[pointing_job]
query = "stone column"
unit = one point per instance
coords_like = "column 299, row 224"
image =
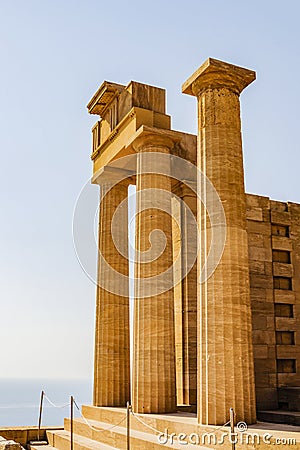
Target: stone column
column 112, row 347
column 190, row 299
column 154, row 348
column 185, row 296
column 225, row 357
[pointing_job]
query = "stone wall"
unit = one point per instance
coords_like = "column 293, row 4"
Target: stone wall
column 274, row 263
column 23, row 435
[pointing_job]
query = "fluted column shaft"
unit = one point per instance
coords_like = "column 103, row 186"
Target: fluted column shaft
column 154, row 348
column 190, row 301
column 225, row 351
column 185, row 293
column 225, row 358
column 112, row 345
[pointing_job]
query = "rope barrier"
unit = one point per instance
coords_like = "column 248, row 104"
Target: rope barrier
column 99, row 430
column 122, row 420
column 169, row 435
column 146, row 424
column 222, row 426
column 96, row 428
column 53, row 404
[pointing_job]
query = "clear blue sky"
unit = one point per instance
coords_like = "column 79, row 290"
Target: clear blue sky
column 54, row 55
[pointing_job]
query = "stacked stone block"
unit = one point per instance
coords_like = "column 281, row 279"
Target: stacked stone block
column 273, row 237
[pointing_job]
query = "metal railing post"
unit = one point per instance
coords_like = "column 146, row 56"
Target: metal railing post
column 40, row 413
column 71, row 417
column 128, row 409
column 231, row 413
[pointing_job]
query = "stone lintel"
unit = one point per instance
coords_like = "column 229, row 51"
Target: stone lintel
column 103, row 97
column 125, row 129
column 123, row 168
column 218, row 74
column 111, row 174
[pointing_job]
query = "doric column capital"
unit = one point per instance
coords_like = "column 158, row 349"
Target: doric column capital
column 215, row 74
column 152, row 142
column 148, row 139
column 188, row 188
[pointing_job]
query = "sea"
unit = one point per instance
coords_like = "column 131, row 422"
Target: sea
column 20, row 400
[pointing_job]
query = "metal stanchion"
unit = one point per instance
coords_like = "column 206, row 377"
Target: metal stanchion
column 40, row 414
column 231, row 412
column 128, row 409
column 71, row 417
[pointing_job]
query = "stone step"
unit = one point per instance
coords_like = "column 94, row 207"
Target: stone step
column 116, row 436
column 178, row 423
column 61, row 440
column 40, row 447
column 37, row 443
column 175, row 423
column 112, row 433
column 286, row 417
column 103, row 414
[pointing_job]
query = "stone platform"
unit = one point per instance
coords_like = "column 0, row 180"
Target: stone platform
column 279, row 416
column 107, row 430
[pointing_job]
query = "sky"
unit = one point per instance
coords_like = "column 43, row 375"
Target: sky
column 54, row 56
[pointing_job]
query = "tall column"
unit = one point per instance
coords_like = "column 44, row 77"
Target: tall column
column 190, row 298
column 185, row 296
column 154, row 348
column 225, row 357
column 112, row 347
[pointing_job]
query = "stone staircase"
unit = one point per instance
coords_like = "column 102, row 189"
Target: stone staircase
column 107, row 430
